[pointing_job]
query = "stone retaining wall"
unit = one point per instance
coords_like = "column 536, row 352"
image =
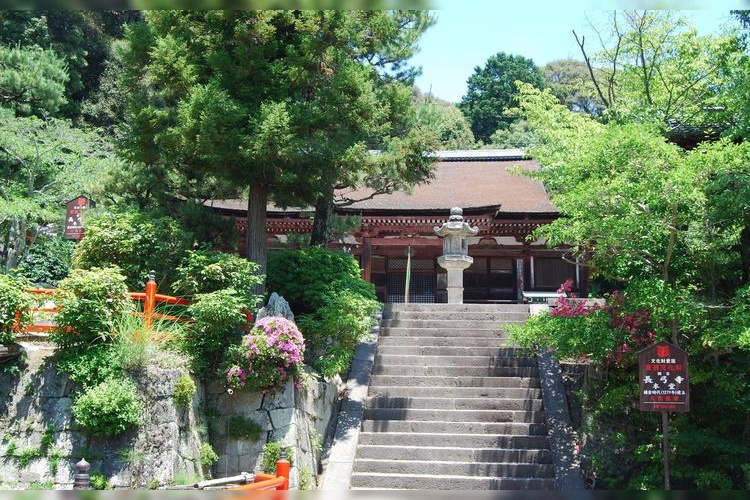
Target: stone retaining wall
column 165, row 448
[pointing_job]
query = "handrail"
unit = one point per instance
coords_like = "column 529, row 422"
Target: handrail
column 149, row 298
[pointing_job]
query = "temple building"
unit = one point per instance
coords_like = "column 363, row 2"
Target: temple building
column 505, row 205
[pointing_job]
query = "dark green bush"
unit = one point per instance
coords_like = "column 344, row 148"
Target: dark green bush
column 92, row 302
column 136, row 242
column 48, row 261
column 307, row 278
column 13, row 299
column 206, row 271
column 108, row 409
column 219, row 322
column 333, row 304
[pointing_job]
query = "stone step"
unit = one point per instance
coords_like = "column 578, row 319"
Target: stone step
column 379, row 481
column 438, row 403
column 462, row 350
column 468, row 434
column 501, row 469
column 484, row 361
column 457, row 454
column 445, row 308
column 446, row 324
column 454, row 392
column 462, row 316
column 456, row 440
column 377, row 380
column 535, row 416
column 442, row 332
column 432, row 340
column 455, row 371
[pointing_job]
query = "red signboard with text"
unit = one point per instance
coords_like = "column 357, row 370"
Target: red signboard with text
column 74, row 210
column 663, row 370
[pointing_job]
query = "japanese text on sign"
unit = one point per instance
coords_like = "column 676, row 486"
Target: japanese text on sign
column 664, row 378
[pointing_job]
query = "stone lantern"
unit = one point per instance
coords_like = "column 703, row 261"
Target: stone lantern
column 455, row 256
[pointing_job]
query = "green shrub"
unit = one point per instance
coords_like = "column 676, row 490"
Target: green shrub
column 99, row 481
column 108, row 409
column 207, row 456
column 219, row 322
column 136, row 242
column 334, row 330
column 243, row 428
column 307, row 278
column 48, row 261
column 272, row 454
column 206, row 271
column 269, row 356
column 91, row 366
column 92, row 302
column 13, row 299
column 184, row 389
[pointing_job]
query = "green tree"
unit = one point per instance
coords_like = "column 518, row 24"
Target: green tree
column 32, row 81
column 570, row 81
column 492, row 90
column 285, row 104
column 452, row 127
column 655, row 68
column 81, row 38
column 43, row 163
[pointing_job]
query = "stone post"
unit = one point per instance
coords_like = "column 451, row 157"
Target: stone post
column 455, row 256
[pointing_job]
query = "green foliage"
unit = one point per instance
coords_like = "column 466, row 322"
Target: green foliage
column 587, row 337
column 109, row 408
column 14, row 299
column 184, row 389
column 308, row 123
column 93, row 301
column 48, row 261
column 43, row 164
column 272, row 454
column 519, row 134
column 219, row 321
column 90, row 366
column 32, row 81
column 28, row 455
column 570, row 81
column 306, row 278
column 333, row 330
column 206, row 271
column 99, row 481
column 137, row 242
column 41, row 485
column 451, row 126
column 207, row 456
column 269, row 356
column 243, row 428
column 492, row 90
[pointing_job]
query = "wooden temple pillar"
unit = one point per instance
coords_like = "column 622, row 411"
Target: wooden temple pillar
column 366, row 258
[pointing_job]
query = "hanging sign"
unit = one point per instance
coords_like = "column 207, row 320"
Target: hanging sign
column 663, row 369
column 74, row 211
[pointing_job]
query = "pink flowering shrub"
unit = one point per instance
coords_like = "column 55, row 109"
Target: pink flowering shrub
column 575, row 330
column 270, row 355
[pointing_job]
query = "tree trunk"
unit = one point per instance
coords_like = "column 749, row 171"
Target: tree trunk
column 321, row 232
column 257, row 239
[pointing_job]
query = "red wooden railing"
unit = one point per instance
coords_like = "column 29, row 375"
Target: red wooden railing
column 149, row 298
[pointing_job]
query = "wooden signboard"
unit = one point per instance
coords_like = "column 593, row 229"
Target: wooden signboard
column 663, row 369
column 74, row 210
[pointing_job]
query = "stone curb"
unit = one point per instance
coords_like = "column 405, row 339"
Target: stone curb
column 567, row 472
column 340, row 463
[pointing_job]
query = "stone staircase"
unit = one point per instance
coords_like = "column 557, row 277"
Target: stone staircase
column 450, row 406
